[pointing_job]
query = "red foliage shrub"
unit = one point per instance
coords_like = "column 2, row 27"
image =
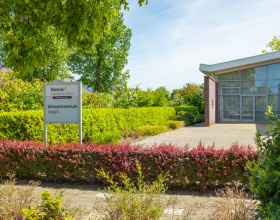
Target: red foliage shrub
column 201, row 167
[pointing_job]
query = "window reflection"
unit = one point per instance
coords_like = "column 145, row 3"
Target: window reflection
column 273, row 71
column 258, row 73
column 260, row 86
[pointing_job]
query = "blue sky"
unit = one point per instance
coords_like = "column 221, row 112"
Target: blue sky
column 172, row 37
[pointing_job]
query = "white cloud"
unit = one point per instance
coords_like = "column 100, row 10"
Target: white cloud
column 171, row 38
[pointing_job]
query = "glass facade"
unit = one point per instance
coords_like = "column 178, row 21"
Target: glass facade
column 244, row 95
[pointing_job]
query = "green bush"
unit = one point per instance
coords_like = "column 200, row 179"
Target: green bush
column 98, row 100
column 151, row 129
column 128, row 98
column 185, row 108
column 191, row 94
column 16, row 94
column 135, row 199
column 51, row 209
column 173, row 124
column 99, row 125
column 265, row 173
column 188, row 114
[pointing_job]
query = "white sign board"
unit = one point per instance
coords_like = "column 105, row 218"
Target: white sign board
column 63, row 104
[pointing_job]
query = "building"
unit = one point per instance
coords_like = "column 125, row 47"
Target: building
column 240, row 90
column 85, row 88
column 3, row 68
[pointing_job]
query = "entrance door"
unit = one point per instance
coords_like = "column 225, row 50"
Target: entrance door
column 253, row 108
column 247, row 114
column 260, row 107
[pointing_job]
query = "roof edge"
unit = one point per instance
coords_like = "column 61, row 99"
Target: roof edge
column 234, row 65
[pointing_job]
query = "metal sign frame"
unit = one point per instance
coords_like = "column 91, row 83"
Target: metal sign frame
column 58, row 97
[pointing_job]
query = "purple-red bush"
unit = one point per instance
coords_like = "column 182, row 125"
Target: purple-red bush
column 201, row 167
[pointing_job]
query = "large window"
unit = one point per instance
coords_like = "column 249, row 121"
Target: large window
column 244, row 95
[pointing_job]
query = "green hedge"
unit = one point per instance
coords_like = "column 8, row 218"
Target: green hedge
column 99, row 125
column 191, row 109
column 152, row 129
column 188, row 114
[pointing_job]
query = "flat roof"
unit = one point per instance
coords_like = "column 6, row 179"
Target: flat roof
column 244, row 63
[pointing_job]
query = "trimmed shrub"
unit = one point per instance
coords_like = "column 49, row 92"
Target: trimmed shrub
column 201, row 167
column 185, row 108
column 99, row 125
column 173, row 124
column 152, row 130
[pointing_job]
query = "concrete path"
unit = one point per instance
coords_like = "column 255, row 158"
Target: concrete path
column 221, row 135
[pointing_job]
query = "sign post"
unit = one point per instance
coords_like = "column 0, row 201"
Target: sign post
column 63, row 105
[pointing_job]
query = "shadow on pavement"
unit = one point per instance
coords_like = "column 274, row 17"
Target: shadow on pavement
column 262, row 128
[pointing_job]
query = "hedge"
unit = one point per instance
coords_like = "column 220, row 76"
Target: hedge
column 200, row 168
column 99, row 125
column 188, row 114
column 190, row 109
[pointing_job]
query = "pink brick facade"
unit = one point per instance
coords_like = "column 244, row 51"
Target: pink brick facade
column 210, row 101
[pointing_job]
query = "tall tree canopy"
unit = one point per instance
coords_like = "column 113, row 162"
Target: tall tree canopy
column 101, row 66
column 273, row 45
column 26, row 26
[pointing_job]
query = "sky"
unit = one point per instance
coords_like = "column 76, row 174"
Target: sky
column 170, row 38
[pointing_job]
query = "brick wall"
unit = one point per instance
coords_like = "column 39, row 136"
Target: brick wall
column 210, row 101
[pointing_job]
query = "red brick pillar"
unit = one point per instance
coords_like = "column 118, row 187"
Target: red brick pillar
column 210, row 101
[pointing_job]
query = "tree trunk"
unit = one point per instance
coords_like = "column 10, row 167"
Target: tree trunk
column 98, row 86
column 98, row 77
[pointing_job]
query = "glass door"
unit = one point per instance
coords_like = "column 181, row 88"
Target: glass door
column 247, row 114
column 253, row 108
column 260, row 108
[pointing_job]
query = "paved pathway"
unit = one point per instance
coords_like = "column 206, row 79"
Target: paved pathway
column 221, row 135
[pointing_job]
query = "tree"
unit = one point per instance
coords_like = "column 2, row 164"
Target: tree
column 273, row 45
column 190, row 94
column 25, row 26
column 53, row 62
column 101, row 66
